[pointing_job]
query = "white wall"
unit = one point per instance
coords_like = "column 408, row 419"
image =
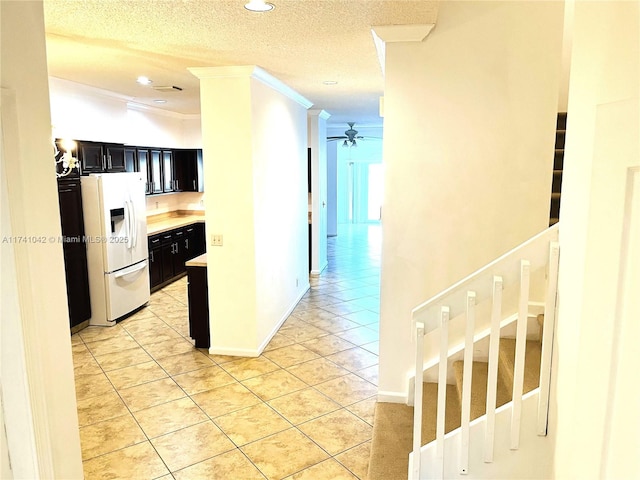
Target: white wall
column 594, row 414
column 469, row 133
column 279, row 141
column 37, row 371
column 255, row 150
column 171, row 202
column 81, row 112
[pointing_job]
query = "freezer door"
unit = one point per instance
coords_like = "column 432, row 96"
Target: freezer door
column 120, row 193
column 138, row 205
column 127, row 289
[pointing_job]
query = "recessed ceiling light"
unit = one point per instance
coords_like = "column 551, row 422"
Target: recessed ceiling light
column 330, row 82
column 142, row 80
column 159, row 100
column 259, row 6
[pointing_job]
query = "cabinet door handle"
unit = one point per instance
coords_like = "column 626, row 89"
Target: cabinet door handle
column 104, row 162
column 176, row 187
column 186, row 244
column 109, row 166
column 194, row 184
column 151, row 255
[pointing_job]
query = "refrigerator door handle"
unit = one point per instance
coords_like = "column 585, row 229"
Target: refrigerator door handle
column 132, row 269
column 130, row 225
column 134, row 224
column 127, row 222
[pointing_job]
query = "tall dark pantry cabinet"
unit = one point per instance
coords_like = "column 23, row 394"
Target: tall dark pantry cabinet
column 74, row 249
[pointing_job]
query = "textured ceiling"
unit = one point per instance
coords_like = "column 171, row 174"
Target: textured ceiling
column 109, row 43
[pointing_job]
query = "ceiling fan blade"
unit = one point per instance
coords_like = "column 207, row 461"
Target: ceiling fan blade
column 337, row 138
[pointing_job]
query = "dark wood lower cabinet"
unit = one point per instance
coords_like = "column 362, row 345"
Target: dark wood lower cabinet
column 74, row 250
column 155, row 261
column 198, row 306
column 169, row 251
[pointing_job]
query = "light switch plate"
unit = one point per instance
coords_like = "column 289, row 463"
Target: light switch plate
column 216, row 240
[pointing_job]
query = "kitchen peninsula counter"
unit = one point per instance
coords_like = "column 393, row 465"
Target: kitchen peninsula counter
column 198, row 301
column 200, row 261
column 169, row 221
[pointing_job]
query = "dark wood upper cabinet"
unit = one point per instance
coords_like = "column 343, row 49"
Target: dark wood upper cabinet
column 155, row 171
column 187, row 170
column 101, row 158
column 168, row 180
column 114, row 158
column 130, row 160
column 143, row 164
column 166, row 170
column 91, row 156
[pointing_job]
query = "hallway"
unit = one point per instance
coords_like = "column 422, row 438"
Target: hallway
column 152, row 406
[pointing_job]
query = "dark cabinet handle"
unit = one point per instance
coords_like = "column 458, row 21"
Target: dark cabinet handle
column 151, row 256
column 186, row 244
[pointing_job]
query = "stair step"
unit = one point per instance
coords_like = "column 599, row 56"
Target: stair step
column 479, row 377
column 558, row 159
column 393, row 431
column 507, row 357
column 540, row 320
column 561, row 122
column 556, row 183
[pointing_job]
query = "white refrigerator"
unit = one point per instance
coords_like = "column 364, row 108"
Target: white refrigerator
column 115, row 222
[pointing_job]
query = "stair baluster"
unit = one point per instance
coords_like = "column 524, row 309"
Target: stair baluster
column 414, row 467
column 442, row 388
column 547, row 337
column 521, row 343
column 466, row 385
column 492, row 375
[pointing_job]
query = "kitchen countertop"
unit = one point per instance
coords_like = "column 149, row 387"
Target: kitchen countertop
column 200, row 261
column 168, row 221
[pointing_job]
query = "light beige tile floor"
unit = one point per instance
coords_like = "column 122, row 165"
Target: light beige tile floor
column 152, row 406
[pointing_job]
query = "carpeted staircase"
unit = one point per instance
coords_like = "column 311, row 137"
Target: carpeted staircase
column 558, row 162
column 393, row 422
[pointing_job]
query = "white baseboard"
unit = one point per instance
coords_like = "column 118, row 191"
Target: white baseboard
column 392, row 397
column 245, row 352
column 317, row 273
column 234, row 352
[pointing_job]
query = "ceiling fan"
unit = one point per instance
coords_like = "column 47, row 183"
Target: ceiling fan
column 350, row 136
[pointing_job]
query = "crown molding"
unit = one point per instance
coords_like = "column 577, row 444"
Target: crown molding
column 383, row 34
column 319, row 113
column 251, row 71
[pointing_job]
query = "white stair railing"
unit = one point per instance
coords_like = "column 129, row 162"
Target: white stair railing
column 511, row 269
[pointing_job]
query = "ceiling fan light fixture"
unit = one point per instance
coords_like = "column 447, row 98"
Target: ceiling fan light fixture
column 345, row 144
column 353, row 143
column 259, row 6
